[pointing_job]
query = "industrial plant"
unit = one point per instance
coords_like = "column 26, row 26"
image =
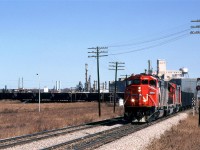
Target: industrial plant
column 89, row 89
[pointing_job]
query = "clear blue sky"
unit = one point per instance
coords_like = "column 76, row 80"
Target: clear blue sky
column 52, row 37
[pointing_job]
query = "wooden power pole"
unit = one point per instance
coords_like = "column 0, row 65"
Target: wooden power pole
column 196, row 27
column 98, row 53
column 115, row 67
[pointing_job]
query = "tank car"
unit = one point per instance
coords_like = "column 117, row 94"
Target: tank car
column 147, row 98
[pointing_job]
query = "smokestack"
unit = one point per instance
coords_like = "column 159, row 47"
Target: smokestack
column 86, row 77
column 59, row 86
column 19, row 83
column 56, row 85
column 22, row 83
column 89, row 83
column 150, row 70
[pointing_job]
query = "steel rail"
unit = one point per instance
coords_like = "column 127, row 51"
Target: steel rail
column 96, row 140
column 10, row 142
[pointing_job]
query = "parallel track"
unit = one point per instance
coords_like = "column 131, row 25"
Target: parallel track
column 96, row 140
column 5, row 143
column 91, row 141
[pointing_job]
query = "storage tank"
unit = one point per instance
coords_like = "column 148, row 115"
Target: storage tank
column 184, row 71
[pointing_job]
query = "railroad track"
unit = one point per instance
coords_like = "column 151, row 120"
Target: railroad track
column 90, row 141
column 96, row 140
column 6, row 143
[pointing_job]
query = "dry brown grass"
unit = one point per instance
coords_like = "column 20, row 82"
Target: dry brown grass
column 18, row 119
column 185, row 136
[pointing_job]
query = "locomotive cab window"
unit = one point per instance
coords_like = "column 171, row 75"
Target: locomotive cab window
column 134, row 81
column 145, row 82
column 128, row 82
column 152, row 83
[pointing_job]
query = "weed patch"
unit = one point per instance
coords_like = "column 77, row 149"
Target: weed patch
column 19, row 118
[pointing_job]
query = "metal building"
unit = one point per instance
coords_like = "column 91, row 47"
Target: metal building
column 188, row 89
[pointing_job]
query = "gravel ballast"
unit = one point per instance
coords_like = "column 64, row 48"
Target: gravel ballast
column 36, row 145
column 136, row 141
column 140, row 139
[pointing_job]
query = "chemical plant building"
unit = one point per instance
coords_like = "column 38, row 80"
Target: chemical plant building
column 180, row 77
column 165, row 74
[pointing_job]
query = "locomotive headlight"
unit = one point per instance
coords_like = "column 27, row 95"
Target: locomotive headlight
column 132, row 100
column 139, row 89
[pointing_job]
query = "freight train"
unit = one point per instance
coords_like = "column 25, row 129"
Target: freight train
column 147, row 98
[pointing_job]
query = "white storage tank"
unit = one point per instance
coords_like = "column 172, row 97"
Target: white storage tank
column 46, row 89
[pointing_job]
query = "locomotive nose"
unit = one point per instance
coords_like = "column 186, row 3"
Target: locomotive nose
column 141, row 90
column 136, row 90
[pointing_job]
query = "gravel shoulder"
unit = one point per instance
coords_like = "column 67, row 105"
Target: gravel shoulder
column 140, row 139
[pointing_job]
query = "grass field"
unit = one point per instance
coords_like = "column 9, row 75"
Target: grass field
column 18, row 118
column 185, row 136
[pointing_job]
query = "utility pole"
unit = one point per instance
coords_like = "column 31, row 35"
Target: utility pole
column 196, row 32
column 98, row 53
column 198, row 98
column 38, row 91
column 115, row 67
column 195, row 27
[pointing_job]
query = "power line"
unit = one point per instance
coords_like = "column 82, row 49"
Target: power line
column 98, row 54
column 198, row 20
column 161, row 33
column 149, row 41
column 152, row 46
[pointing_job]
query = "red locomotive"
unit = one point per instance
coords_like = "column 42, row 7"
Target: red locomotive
column 147, row 97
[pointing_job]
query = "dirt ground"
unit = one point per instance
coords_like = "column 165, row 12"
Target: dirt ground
column 185, row 136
